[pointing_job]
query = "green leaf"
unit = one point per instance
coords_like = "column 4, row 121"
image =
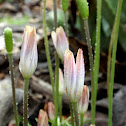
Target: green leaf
column 60, row 18
column 108, row 10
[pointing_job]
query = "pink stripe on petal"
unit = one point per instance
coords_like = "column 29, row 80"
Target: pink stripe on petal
column 66, row 68
column 61, row 82
column 80, row 72
column 69, row 72
column 51, row 111
column 60, row 42
column 62, row 39
column 42, row 118
column 29, row 55
column 84, row 100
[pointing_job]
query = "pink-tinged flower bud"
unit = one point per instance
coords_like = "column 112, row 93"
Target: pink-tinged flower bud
column 61, row 82
column 42, row 118
column 83, row 101
column 80, row 70
column 60, row 42
column 29, row 54
column 51, row 111
column 12, row 123
column 74, row 74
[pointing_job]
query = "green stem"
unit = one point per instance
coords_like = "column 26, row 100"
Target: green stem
column 60, row 107
column 65, row 23
column 96, row 60
column 10, row 57
column 25, row 105
column 75, row 113
column 71, row 112
column 57, row 87
column 57, row 64
column 81, row 119
column 55, row 13
column 47, row 50
column 91, row 67
column 109, row 59
column 117, row 22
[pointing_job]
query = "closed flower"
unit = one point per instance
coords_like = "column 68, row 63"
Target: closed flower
column 29, row 55
column 51, row 111
column 42, row 118
column 8, row 39
column 83, row 101
column 60, row 42
column 74, row 75
column 61, row 82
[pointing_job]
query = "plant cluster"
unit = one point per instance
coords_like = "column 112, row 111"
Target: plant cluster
column 72, row 82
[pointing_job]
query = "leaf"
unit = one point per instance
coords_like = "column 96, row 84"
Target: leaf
column 108, row 11
column 60, row 18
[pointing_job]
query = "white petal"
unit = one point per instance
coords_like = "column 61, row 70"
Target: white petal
column 53, row 35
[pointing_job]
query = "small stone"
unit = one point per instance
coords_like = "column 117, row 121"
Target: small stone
column 119, row 108
column 6, row 104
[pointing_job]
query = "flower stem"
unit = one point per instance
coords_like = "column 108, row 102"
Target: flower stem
column 47, row 50
column 75, row 113
column 10, row 57
column 25, row 105
column 71, row 112
column 117, row 22
column 91, row 67
column 55, row 13
column 65, row 23
column 60, row 107
column 81, row 119
column 57, row 87
column 96, row 60
column 57, row 65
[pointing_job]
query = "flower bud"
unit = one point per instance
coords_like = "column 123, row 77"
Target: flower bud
column 80, row 70
column 8, row 39
column 12, row 123
column 51, row 111
column 29, row 54
column 60, row 42
column 65, row 4
column 83, row 101
column 61, row 82
column 83, row 8
column 42, row 118
column 74, row 75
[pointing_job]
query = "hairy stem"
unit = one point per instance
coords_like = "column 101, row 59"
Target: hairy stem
column 10, row 57
column 60, row 107
column 81, row 119
column 91, row 67
column 75, row 113
column 72, row 114
column 25, row 105
column 96, row 60
column 57, row 64
column 47, row 50
column 57, row 86
column 55, row 13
